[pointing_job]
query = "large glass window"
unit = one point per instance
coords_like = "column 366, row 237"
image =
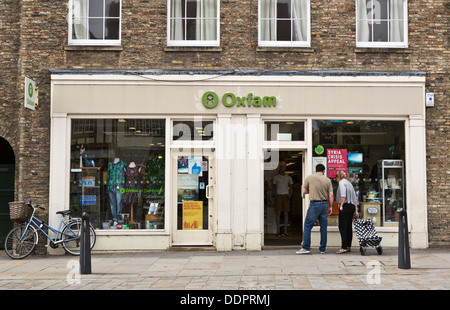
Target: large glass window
column 284, row 23
column 118, row 172
column 372, row 154
column 381, row 23
column 94, row 22
column 193, row 22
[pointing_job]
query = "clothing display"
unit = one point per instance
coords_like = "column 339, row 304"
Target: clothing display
column 115, row 182
column 132, row 185
column 116, row 174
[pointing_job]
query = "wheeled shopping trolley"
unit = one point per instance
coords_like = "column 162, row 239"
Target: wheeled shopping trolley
column 367, row 236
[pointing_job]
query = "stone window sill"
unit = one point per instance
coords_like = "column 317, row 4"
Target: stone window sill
column 92, row 48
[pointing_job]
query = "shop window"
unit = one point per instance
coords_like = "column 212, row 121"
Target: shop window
column 94, row 22
column 117, row 172
column 284, row 23
column 193, row 130
column 372, row 154
column 284, row 131
column 193, row 23
column 381, row 23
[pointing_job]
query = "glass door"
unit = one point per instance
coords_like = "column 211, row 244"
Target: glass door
column 193, row 220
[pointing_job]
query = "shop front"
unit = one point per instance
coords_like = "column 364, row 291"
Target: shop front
column 162, row 159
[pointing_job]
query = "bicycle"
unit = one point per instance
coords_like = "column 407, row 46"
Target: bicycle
column 22, row 240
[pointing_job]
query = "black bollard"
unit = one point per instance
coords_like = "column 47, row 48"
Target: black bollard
column 85, row 246
column 404, row 261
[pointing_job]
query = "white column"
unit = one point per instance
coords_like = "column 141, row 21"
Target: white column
column 59, row 170
column 238, row 133
column 416, row 182
column 223, row 182
column 255, row 166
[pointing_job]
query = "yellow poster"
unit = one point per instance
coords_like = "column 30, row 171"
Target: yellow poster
column 192, row 215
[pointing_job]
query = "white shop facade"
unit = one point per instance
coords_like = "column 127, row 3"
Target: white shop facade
column 162, row 159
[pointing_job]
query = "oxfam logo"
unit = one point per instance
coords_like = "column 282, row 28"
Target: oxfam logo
column 210, row 100
column 30, row 90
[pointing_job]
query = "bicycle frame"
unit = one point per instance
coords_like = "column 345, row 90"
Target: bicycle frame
column 38, row 224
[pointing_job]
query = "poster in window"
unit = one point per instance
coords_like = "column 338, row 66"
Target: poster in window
column 192, row 215
column 336, row 160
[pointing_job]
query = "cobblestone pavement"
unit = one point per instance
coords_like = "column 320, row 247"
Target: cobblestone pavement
column 276, row 269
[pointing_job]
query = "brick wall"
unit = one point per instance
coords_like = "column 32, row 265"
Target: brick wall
column 33, row 38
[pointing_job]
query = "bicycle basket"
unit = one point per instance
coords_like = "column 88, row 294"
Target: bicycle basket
column 19, row 212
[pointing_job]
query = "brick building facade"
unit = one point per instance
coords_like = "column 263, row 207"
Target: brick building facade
column 34, row 39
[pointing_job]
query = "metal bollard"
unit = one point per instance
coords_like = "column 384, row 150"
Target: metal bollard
column 85, row 247
column 404, row 261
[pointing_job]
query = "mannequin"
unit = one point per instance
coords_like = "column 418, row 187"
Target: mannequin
column 282, row 189
column 114, row 185
column 132, row 187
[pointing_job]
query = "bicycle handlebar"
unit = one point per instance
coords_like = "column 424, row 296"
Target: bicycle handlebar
column 34, row 207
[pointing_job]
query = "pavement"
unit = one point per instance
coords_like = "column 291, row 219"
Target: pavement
column 193, row 270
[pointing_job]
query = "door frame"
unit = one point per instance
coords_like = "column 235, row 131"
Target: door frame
column 193, row 237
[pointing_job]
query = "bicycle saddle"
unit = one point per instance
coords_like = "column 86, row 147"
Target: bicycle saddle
column 65, row 212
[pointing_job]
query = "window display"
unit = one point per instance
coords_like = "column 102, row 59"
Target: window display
column 118, row 172
column 360, row 148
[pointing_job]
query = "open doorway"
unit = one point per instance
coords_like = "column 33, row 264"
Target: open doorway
column 283, row 223
column 7, row 178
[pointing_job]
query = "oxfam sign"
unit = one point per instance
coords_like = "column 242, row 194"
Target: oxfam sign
column 210, row 100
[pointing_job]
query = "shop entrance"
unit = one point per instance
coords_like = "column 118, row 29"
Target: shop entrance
column 283, row 223
column 7, row 176
column 193, row 211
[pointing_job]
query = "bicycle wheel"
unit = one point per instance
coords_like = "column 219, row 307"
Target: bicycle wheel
column 20, row 243
column 71, row 237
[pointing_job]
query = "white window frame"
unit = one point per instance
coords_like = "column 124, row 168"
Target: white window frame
column 193, row 42
column 403, row 44
column 264, row 43
column 96, row 42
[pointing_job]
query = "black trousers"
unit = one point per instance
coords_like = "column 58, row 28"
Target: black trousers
column 345, row 224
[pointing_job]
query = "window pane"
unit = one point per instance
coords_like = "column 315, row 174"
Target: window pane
column 283, row 8
column 112, row 8
column 267, row 30
column 283, row 30
column 79, row 28
column 396, row 31
column 300, row 29
column 112, row 29
column 285, row 131
column 210, row 29
column 191, row 29
column 117, row 172
column 193, row 130
column 363, row 31
column 96, row 28
column 380, row 31
column 191, row 8
column 96, row 8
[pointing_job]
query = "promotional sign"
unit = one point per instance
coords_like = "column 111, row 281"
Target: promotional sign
column 336, row 160
column 30, row 87
column 192, row 215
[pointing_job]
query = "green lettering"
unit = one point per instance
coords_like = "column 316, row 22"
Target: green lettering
column 241, row 101
column 225, row 100
column 257, row 101
column 249, row 99
column 270, row 101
